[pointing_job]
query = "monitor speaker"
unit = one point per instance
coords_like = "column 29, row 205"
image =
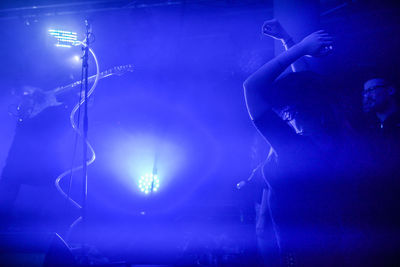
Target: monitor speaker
column 34, row 249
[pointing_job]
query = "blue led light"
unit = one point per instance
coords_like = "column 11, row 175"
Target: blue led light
column 149, row 183
column 64, row 38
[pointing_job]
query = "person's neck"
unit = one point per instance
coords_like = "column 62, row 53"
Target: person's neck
column 382, row 115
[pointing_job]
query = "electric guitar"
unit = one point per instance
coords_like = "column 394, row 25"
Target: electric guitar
column 34, row 100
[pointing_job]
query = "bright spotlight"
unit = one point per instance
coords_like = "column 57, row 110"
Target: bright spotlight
column 77, row 58
column 64, row 38
column 149, row 183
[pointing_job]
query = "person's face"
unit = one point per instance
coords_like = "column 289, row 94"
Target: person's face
column 376, row 95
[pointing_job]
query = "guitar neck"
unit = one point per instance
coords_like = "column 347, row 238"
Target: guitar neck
column 66, row 88
column 119, row 70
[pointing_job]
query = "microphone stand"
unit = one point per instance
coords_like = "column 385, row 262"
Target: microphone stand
column 154, row 173
column 85, row 66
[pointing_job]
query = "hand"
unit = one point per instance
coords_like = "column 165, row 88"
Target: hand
column 275, row 30
column 317, row 44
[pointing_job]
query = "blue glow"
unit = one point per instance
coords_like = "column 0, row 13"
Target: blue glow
column 131, row 155
column 149, row 183
column 64, row 38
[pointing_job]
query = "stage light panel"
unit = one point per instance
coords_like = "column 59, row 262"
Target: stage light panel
column 64, row 38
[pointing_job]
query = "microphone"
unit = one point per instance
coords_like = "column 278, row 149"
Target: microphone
column 243, row 183
column 87, row 24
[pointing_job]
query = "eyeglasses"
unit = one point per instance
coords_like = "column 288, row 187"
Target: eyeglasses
column 374, row 88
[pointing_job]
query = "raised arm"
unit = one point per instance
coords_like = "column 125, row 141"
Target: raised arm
column 274, row 29
column 258, row 86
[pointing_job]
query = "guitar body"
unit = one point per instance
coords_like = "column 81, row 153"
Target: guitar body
column 37, row 102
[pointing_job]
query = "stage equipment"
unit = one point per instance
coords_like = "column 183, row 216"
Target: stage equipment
column 83, row 134
column 34, row 249
column 119, row 70
column 77, row 109
column 149, row 183
column 64, row 38
column 249, row 180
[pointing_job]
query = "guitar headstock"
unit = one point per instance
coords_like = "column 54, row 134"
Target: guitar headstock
column 120, row 70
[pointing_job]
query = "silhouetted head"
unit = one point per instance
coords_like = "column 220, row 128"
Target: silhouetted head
column 378, row 95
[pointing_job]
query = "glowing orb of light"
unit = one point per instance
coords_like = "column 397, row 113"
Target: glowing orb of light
column 76, row 58
column 149, row 183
